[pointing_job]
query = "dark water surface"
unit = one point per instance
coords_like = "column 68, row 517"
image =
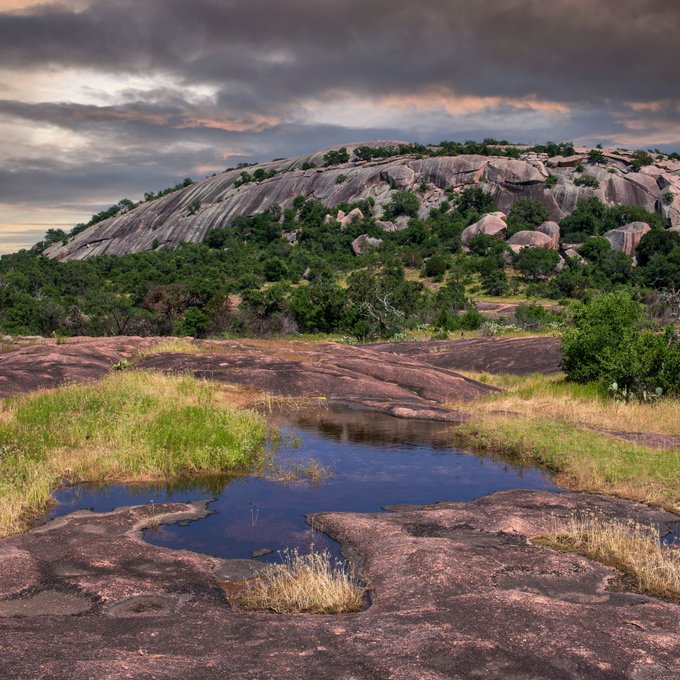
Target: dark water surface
column 374, row 460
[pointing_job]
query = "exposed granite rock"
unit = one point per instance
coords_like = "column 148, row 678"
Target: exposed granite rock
column 189, row 214
column 531, row 239
column 364, row 243
column 458, row 591
column 489, row 225
column 552, row 229
column 396, row 385
column 627, row 238
column 518, row 356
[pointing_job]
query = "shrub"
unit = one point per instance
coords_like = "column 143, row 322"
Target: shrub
column 402, row 203
column 471, row 320
column 641, row 159
column 536, row 263
column 551, row 181
column 476, row 199
column 596, row 156
column 534, row 316
column 610, row 342
column 587, row 181
column 526, row 214
column 436, row 266
column 336, row 157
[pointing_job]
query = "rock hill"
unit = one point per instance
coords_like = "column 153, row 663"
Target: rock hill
column 190, row 213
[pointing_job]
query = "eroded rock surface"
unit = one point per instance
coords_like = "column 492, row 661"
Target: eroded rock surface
column 519, row 356
column 367, row 377
column 189, row 214
column 393, row 384
column 458, row 591
column 48, row 364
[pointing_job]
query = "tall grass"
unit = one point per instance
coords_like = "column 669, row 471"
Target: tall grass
column 313, row 584
column 583, row 460
column 632, row 548
column 131, row 426
column 552, row 397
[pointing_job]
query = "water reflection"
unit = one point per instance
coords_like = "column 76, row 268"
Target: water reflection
column 374, row 460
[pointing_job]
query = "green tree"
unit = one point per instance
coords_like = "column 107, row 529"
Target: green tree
column 536, row 263
column 525, row 215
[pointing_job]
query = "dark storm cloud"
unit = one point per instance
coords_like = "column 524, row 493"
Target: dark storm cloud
column 266, row 53
column 229, row 80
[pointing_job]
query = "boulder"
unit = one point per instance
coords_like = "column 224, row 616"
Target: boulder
column 490, row 225
column 551, row 229
column 350, row 218
column 364, row 243
column 627, row 238
column 572, row 254
column 387, row 226
column 500, row 215
column 566, row 161
column 510, row 171
column 400, row 176
column 531, row 239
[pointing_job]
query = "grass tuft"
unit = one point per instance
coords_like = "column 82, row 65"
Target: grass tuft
column 133, row 426
column 632, row 548
column 304, row 584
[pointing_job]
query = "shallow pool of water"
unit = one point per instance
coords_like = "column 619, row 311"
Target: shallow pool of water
column 373, row 460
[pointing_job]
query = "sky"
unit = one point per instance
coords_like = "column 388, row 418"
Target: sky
column 105, row 99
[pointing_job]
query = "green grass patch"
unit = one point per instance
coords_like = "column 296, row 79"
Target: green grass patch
column 583, row 460
column 131, row 426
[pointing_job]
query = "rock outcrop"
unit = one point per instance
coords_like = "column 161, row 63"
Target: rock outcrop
column 190, row 213
column 627, row 238
column 458, row 590
column 364, row 243
column 551, row 229
column 531, row 239
column 490, row 225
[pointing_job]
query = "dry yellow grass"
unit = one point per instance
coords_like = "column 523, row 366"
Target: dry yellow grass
column 551, row 398
column 632, row 548
column 304, row 584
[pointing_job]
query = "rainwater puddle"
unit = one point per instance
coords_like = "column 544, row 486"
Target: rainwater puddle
column 374, row 461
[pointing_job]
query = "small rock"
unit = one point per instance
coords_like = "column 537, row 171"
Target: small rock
column 261, row 552
column 363, row 243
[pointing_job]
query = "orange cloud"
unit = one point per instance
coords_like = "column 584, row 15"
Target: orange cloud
column 460, row 105
column 653, row 107
column 249, row 123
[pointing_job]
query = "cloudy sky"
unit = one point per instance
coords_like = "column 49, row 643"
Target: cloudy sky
column 105, row 99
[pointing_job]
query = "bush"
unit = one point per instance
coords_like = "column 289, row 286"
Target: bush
column 402, row 203
column 471, row 320
column 525, row 215
column 534, row 317
column 587, row 181
column 336, row 157
column 610, row 342
column 436, row 266
column 536, row 263
column 476, row 199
